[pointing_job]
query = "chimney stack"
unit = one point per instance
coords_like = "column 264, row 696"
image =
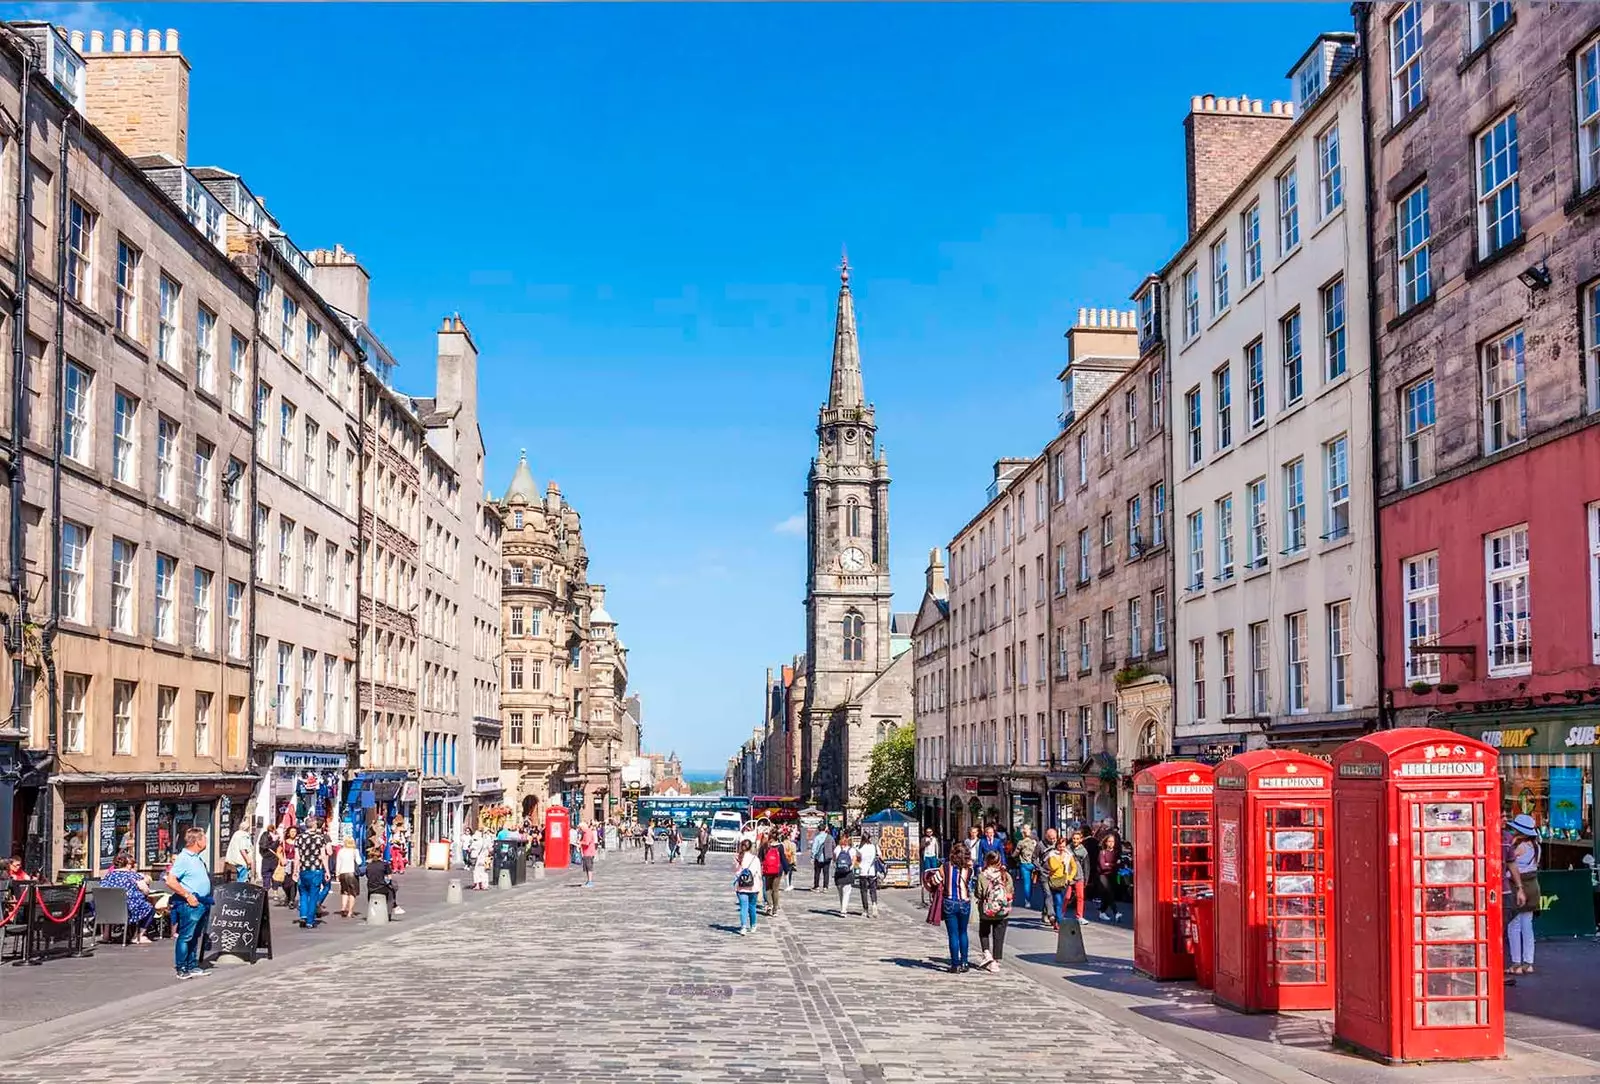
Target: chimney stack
column 138, row 93
column 1224, row 139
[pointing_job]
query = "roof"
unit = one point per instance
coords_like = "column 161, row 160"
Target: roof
column 522, row 484
column 900, row 623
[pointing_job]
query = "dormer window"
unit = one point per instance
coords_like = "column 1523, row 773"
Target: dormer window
column 66, row 71
column 1149, row 327
column 1309, row 80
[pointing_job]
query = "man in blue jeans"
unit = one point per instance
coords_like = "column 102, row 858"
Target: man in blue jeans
column 190, row 882
column 314, row 846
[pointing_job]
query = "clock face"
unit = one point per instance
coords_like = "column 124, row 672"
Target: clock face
column 852, row 560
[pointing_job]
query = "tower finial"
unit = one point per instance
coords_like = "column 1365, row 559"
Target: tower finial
column 844, row 390
column 844, row 266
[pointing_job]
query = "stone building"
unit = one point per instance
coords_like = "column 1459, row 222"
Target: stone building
column 1268, row 341
column 856, row 692
column 1485, row 141
column 930, row 688
column 601, row 705
column 1111, row 619
column 129, row 606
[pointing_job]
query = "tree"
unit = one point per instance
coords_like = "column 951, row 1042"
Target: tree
column 892, row 775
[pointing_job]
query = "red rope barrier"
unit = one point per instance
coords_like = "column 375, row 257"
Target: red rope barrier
column 22, row 897
column 69, row 916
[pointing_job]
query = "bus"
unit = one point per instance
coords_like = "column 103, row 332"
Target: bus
column 689, row 812
column 777, row 810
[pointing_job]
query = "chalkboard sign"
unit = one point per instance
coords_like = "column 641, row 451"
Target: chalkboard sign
column 241, row 923
column 153, row 854
column 108, row 834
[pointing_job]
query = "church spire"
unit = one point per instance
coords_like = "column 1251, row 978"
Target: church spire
column 845, row 389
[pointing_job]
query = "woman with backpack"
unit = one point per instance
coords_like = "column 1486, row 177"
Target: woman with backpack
column 994, row 909
column 953, row 881
column 844, row 867
column 771, row 871
column 867, row 873
column 746, row 878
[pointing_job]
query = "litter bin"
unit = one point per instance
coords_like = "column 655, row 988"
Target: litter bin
column 510, row 854
column 1202, row 937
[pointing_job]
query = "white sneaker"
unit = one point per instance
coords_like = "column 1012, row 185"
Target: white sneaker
column 398, row 911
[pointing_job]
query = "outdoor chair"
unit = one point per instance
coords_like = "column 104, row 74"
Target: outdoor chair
column 111, row 909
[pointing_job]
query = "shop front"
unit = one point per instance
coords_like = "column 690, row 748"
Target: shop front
column 1548, row 763
column 1026, row 806
column 443, row 806
column 376, row 802
column 302, row 783
column 487, row 793
column 146, row 817
column 1212, row 749
column 1067, row 800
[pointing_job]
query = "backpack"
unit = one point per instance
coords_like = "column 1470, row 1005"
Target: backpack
column 772, row 861
column 996, row 902
column 746, row 879
column 841, row 860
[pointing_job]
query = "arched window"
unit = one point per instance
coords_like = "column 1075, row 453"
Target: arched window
column 852, row 518
column 855, row 637
column 883, row 731
column 1150, row 742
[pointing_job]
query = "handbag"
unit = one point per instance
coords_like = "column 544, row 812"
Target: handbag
column 277, row 875
column 936, row 909
column 879, row 869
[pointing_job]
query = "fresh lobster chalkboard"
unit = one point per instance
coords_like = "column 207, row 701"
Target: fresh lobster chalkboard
column 240, row 923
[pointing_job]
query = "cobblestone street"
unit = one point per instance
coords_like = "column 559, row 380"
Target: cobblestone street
column 642, row 978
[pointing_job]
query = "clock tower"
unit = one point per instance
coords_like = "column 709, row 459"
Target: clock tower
column 847, row 574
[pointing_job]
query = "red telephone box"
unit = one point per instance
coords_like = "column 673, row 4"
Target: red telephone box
column 1416, row 835
column 1171, row 860
column 557, row 837
column 1274, row 811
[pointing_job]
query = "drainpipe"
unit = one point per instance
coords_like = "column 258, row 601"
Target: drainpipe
column 53, row 626
column 1362, row 12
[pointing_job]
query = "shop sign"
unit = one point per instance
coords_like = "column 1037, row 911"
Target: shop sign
column 172, row 789
column 490, row 783
column 294, row 758
column 1580, row 735
column 988, row 787
column 969, row 785
column 408, row 791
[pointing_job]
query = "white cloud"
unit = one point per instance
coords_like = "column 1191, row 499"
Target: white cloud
column 83, row 17
column 795, row 524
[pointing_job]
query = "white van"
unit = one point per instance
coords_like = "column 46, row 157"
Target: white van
column 725, row 825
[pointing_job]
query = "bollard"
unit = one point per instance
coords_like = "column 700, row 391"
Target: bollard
column 538, row 872
column 598, row 855
column 505, row 879
column 453, row 893
column 377, row 910
column 1069, row 942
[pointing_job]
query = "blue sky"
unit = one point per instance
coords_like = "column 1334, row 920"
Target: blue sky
column 638, row 210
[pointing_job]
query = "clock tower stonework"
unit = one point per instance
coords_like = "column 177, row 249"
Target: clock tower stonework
column 848, row 597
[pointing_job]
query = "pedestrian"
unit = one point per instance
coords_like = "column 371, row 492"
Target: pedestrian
column 995, row 892
column 702, row 844
column 1027, row 851
column 746, row 879
column 1057, row 880
column 588, row 846
column 771, row 872
column 974, row 837
column 289, row 851
column 482, row 861
column 379, row 879
column 313, row 871
column 844, row 866
column 674, row 842
column 190, row 882
column 821, row 859
column 990, row 844
column 788, row 859
column 1110, row 845
column 268, row 860
column 930, row 850
column 1522, row 889
column 240, row 862
column 954, row 883
column 346, row 865
column 869, row 867
column 650, row 843
column 1080, row 880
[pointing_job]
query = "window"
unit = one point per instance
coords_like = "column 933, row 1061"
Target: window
column 1293, row 365
column 535, row 622
column 515, row 728
column 1197, row 684
column 202, row 724
column 1336, row 469
column 1230, row 702
column 282, row 708
column 1108, row 541
column 1510, row 631
column 1339, row 655
column 237, row 361
column 855, row 644
column 1594, row 575
column 204, row 457
column 1288, row 212
column 77, row 413
column 205, row 348
column 288, row 344
column 1588, row 82
column 330, row 574
column 285, row 552
column 1158, row 400
column 1421, row 584
column 1333, row 355
column 1505, row 392
column 286, row 437
column 235, row 619
column 1158, row 621
column 124, row 574
column 122, row 717
column 1130, row 410
column 1197, row 551
column 80, row 250
column 167, row 321
column 1259, row 656
column 1499, row 188
column 1083, row 465
column 516, row 621
column 167, row 459
column 126, row 309
column 74, row 572
column 1250, row 230
column 1158, row 514
column 1414, row 227
column 308, row 473
column 125, row 439
column 1255, row 375
column 233, row 491
column 1294, row 506
column 1084, row 661
column 1105, row 434
column 308, row 564
column 1487, row 18
column 514, row 676
column 1135, row 522
column 1256, row 498
column 1191, row 411
column 1330, row 174
column 1191, row 303
column 1083, row 555
column 313, row 344
column 1135, row 627
column 1405, row 60
column 1224, row 514
column 166, row 598
column 1416, row 423
column 1222, row 396
column 330, row 468
column 1219, row 276
column 1108, row 636
column 263, row 401
column 852, row 515
column 166, row 719
column 1297, row 665
column 1108, row 716
column 307, row 694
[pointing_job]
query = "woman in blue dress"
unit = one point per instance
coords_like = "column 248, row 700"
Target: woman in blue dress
column 137, row 888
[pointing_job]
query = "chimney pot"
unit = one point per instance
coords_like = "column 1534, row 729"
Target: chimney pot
column 137, row 44
column 119, row 41
column 172, row 40
column 1194, row 103
column 76, row 37
column 97, row 41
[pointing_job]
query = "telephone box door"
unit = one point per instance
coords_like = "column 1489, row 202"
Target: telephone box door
column 1451, row 873
column 1296, row 958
